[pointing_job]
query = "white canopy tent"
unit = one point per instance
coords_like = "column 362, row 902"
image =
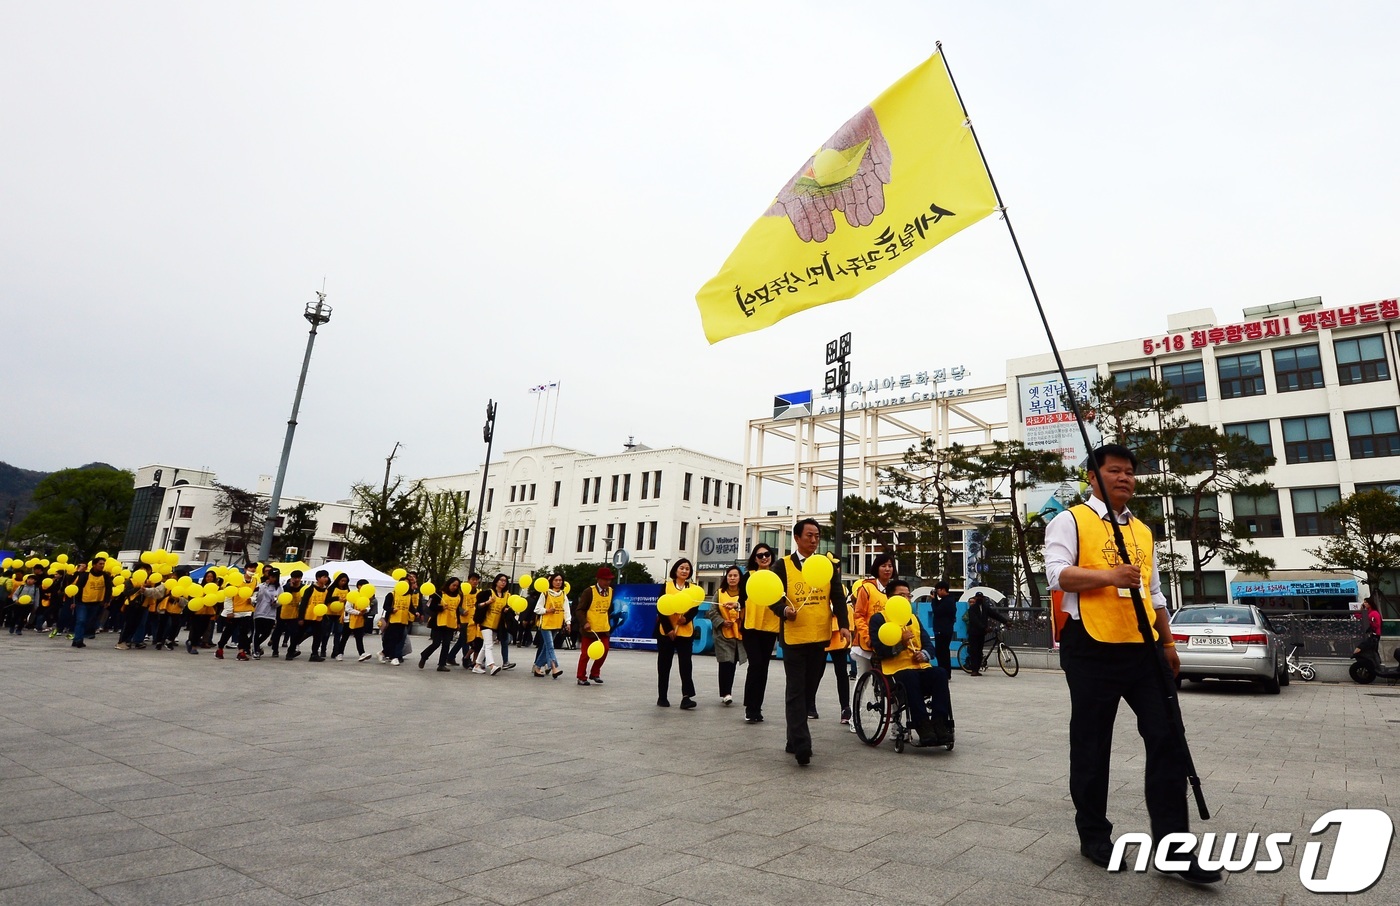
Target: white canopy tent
column 357, row 570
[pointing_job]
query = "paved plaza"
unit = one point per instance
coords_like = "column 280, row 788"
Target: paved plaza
column 150, row 778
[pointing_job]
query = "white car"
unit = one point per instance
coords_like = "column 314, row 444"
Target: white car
column 1229, row 642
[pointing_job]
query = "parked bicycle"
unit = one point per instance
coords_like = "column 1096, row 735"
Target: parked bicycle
column 994, row 646
column 1303, row 668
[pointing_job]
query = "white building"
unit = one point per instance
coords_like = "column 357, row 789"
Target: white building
column 176, row 509
column 1316, row 386
column 549, row 505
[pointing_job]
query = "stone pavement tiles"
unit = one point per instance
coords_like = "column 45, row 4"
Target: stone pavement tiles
column 158, row 778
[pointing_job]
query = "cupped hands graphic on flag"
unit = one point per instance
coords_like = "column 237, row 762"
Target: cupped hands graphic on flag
column 847, row 174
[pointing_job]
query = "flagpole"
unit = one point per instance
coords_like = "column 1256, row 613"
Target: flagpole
column 554, row 421
column 1144, row 626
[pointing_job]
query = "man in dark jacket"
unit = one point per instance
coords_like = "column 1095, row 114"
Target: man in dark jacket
column 979, row 611
column 945, row 615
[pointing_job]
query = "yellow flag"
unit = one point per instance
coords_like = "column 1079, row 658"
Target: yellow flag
column 898, row 178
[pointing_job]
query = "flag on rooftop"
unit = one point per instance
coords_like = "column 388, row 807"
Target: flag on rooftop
column 899, row 177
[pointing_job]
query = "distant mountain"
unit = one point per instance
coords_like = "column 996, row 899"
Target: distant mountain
column 17, row 486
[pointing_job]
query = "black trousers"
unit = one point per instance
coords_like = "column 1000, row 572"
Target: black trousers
column 920, row 683
column 262, row 628
column 442, row 642
column 759, row 647
column 943, row 649
column 975, row 646
column 680, row 647
column 803, row 665
column 727, row 670
column 393, row 638
column 236, row 629
column 283, row 631
column 1099, row 674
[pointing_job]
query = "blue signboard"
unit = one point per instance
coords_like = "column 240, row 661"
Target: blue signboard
column 1296, row 588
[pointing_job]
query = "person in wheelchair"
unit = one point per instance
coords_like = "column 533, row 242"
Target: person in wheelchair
column 908, row 663
column 979, row 610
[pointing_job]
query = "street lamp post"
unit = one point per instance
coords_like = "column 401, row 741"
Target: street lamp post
column 838, row 353
column 487, row 433
column 317, row 313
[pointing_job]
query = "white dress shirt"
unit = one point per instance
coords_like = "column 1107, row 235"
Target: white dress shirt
column 1062, row 549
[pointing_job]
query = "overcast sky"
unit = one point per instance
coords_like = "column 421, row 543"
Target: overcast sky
column 503, row 194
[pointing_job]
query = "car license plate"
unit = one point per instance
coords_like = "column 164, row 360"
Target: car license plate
column 1209, row 641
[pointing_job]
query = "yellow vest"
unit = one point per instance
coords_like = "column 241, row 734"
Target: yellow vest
column 869, row 601
column 174, row 604
column 554, row 607
column 684, row 630
column 317, row 596
column 94, row 589
column 447, row 612
column 762, row 619
column 729, row 606
column 1107, row 615
column 289, row 610
column 905, row 659
column 494, row 606
column 813, row 620
column 243, row 605
column 403, row 608
column 598, row 609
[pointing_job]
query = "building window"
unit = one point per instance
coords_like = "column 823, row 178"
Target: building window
column 525, row 542
column 651, row 545
column 584, row 500
column 705, row 491
column 656, row 483
column 1361, row 360
column 646, row 478
column 550, row 545
column 1389, row 487
column 685, row 528
column 1258, row 517
column 738, row 498
column 1308, row 504
column 598, row 489
column 558, row 486
column 1187, row 380
column 233, row 546
column 731, row 487
column 186, row 512
column 621, row 535
column 512, row 493
column 280, row 521
column 1149, row 510
column 641, row 534
column 1213, row 587
column 532, row 491
column 1308, row 439
column 592, row 537
column 627, row 486
column 339, row 528
column 1207, row 517
column 1298, row 368
column 335, row 550
column 1373, row 433
column 580, row 540
column 1255, row 431
column 181, row 535
column 490, row 498
column 685, row 487
column 1126, row 378
column 1240, row 375
column 615, row 488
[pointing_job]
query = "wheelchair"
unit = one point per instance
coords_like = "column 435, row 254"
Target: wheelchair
column 879, row 706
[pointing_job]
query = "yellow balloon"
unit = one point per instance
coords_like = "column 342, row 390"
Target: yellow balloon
column 101, row 555
column 566, row 588
column 48, row 583
column 401, row 587
column 284, row 598
column 337, row 606
column 898, row 610
column 210, row 588
column 596, row 650
column 541, row 584
column 320, row 610
column 517, row 603
column 63, row 558
column 399, row 573
column 71, row 590
column 368, row 591
column 817, row 571
column 147, row 558
column 25, row 599
column 428, row 588
column 156, row 578
column 764, row 588
column 696, row 593
column 170, row 585
column 890, row 634
column 525, row 581
column 245, row 593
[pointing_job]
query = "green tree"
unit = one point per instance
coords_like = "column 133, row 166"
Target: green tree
column 929, row 480
column 997, row 474
column 243, row 515
column 438, row 550
column 80, row 510
column 581, row 575
column 298, row 528
column 388, row 523
column 1367, row 538
column 912, row 536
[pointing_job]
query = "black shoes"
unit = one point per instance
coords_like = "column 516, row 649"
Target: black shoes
column 444, row 669
column 688, row 704
column 422, row 662
column 1195, row 874
column 663, row 703
column 1099, row 853
column 596, row 680
column 812, row 715
column 315, row 659
column 753, row 718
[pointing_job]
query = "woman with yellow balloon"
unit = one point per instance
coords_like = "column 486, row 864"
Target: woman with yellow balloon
column 870, row 600
column 761, row 626
column 727, row 617
column 22, row 598
column 552, row 612
column 444, row 608
column 675, row 633
column 490, row 605
column 594, row 619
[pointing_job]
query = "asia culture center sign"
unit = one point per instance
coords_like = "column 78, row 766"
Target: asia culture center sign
column 719, row 547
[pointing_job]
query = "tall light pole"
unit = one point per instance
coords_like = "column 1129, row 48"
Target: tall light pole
column 487, row 433
column 838, row 353
column 317, row 313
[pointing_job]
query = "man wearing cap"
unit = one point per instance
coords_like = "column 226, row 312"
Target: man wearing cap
column 979, row 611
column 945, row 618
column 1105, row 659
column 593, row 616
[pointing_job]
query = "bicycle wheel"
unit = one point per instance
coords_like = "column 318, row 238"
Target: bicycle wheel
column 1307, row 672
column 1007, row 658
column 959, row 651
column 870, row 709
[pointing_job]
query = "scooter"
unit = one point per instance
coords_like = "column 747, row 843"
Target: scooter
column 1302, row 668
column 1367, row 664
